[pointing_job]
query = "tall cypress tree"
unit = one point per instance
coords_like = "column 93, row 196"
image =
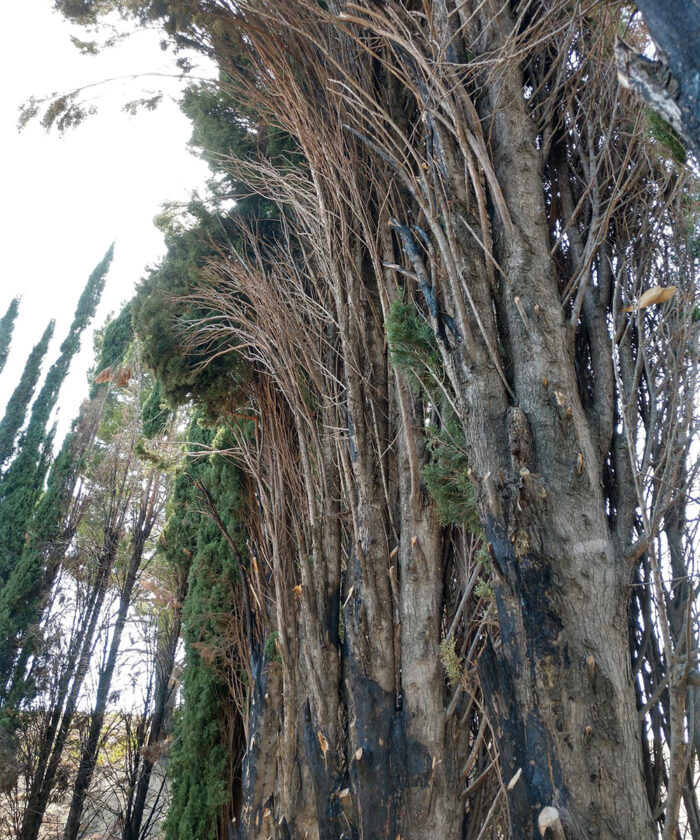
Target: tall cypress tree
column 49, row 532
column 7, row 325
column 21, row 485
column 16, row 409
column 201, row 768
column 50, row 528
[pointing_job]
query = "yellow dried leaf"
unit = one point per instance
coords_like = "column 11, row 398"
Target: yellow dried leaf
column 322, row 743
column 657, row 294
column 297, row 589
column 104, row 375
column 122, row 377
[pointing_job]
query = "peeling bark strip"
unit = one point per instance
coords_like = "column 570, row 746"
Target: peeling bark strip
column 671, row 85
column 460, row 412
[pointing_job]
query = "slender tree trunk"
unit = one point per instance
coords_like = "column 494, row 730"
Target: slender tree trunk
column 65, row 706
column 164, row 688
column 88, row 758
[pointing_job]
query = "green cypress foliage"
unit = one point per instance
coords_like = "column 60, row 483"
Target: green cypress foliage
column 413, row 350
column 21, row 485
column 16, row 409
column 155, row 416
column 159, row 310
column 221, row 127
column 198, row 763
column 20, row 597
column 199, row 766
column 116, row 339
column 446, row 475
column 666, row 135
column 7, row 325
column 412, row 345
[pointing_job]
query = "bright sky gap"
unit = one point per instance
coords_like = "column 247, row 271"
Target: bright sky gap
column 67, row 198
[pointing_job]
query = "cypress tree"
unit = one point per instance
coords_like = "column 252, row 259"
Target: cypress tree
column 16, row 409
column 49, row 531
column 21, row 485
column 200, row 768
column 7, row 325
column 155, row 416
column 52, row 530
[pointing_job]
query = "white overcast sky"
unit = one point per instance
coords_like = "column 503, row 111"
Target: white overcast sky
column 66, row 198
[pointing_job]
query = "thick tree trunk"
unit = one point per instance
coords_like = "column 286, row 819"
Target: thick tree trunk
column 457, row 155
column 560, row 686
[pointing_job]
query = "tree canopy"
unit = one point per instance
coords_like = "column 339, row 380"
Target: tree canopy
column 7, row 323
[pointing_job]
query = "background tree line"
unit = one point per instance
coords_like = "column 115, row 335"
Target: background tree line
column 98, row 542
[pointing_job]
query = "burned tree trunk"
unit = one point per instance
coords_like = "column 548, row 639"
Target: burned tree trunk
column 670, row 84
column 477, row 299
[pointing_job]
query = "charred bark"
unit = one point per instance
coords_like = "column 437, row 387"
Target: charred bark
column 671, row 83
